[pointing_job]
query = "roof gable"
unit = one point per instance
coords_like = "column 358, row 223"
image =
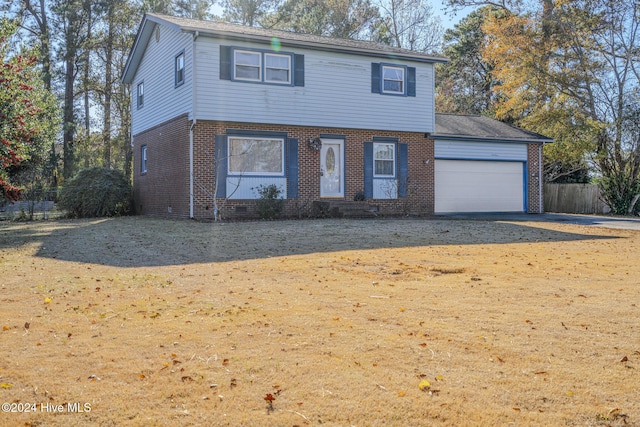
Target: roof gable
column 228, row 31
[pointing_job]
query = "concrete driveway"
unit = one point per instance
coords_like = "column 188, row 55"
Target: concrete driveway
column 623, row 223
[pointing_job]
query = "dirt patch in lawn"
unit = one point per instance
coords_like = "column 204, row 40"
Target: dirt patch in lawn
column 136, row 321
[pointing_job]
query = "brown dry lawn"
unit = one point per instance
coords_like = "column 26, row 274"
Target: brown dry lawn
column 161, row 323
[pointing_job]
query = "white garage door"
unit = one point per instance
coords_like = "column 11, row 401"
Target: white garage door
column 478, row 186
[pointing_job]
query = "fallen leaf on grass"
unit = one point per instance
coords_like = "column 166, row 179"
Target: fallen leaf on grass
column 401, row 393
column 6, row 385
column 624, row 359
column 424, row 385
column 5, row 328
column 47, row 300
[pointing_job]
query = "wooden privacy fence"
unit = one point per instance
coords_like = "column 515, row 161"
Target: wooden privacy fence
column 574, row 198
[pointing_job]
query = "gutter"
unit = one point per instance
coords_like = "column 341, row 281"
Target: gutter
column 194, row 120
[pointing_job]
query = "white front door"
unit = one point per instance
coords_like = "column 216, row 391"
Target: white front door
column 331, row 168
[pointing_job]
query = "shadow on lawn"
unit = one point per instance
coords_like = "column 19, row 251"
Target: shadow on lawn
column 140, row 241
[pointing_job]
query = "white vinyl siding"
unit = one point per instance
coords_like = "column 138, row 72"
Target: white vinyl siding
column 480, row 150
column 336, row 93
column 158, row 71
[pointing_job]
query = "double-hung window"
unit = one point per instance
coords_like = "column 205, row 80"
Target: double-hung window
column 143, row 159
column 247, row 65
column 140, row 95
column 277, row 68
column 256, row 156
column 264, row 67
column 384, row 160
column 393, row 79
column 179, row 69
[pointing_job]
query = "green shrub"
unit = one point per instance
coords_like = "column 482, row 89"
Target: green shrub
column 269, row 205
column 96, row 192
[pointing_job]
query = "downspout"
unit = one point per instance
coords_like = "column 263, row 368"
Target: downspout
column 194, row 103
column 540, row 180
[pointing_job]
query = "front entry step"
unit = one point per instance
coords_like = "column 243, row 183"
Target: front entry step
column 343, row 209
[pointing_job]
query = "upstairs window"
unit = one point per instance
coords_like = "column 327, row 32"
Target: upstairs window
column 393, row 80
column 179, row 69
column 247, row 65
column 140, row 95
column 261, row 66
column 277, row 68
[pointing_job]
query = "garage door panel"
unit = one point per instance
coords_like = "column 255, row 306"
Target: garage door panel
column 478, row 186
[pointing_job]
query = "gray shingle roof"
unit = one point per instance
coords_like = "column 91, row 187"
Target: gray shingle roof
column 479, row 127
column 232, row 31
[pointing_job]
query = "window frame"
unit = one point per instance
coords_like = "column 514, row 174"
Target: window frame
column 402, row 68
column 143, row 158
column 393, row 160
column 289, row 69
column 179, row 69
column 259, row 67
column 140, row 95
column 263, row 54
column 282, row 141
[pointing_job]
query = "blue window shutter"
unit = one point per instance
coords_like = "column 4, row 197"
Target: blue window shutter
column 375, row 78
column 292, row 168
column 403, row 170
column 225, row 62
column 221, row 165
column 368, row 170
column 298, row 70
column 411, row 81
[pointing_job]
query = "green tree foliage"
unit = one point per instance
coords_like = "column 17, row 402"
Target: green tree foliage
column 570, row 70
column 348, row 19
column 465, row 84
column 96, row 192
column 27, row 113
column 248, row 12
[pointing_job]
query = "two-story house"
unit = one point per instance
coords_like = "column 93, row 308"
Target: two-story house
column 220, row 109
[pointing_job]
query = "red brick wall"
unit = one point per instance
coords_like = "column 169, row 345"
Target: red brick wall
column 421, row 173
column 535, row 201
column 164, row 189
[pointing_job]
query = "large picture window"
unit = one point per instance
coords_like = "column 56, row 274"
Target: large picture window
column 384, row 160
column 256, row 156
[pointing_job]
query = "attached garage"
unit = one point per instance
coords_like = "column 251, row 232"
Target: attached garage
column 483, row 165
column 479, row 186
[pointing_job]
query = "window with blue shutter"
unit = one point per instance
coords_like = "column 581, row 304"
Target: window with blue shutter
column 292, row 168
column 221, row 165
column 393, row 79
column 368, row 170
column 261, row 66
column 403, row 170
